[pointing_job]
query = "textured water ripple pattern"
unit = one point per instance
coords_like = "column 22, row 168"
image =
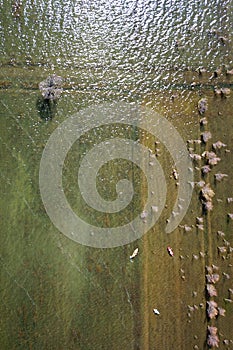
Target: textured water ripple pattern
column 119, row 34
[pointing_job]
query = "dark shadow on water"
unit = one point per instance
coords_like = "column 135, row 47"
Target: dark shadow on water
column 46, row 108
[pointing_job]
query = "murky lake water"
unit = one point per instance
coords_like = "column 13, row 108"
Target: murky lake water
column 163, row 55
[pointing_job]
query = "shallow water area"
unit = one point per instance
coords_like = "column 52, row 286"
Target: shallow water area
column 164, row 56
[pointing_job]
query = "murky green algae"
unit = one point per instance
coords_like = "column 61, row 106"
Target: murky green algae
column 57, row 294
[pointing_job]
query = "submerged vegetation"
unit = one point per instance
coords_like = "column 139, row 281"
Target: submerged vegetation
column 57, row 294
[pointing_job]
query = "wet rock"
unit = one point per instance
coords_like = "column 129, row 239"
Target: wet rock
column 187, row 228
column 219, row 200
column 229, row 72
column 227, row 243
column 228, row 300
column 144, row 215
column 203, row 121
column 212, row 310
column 195, row 156
column 220, row 176
column 223, row 39
column 225, row 92
column 200, row 220
column 211, row 290
column 220, row 233
column 211, row 157
column 215, row 267
column 218, row 145
column 51, row 88
column 208, row 206
column 200, row 184
column 201, row 70
column 222, row 250
column 212, row 338
column 212, row 278
column 205, row 169
column 209, row 269
column 212, row 330
column 213, row 341
column 191, row 308
column 217, row 92
column 221, row 311
column 202, row 105
column 207, row 193
column 206, row 136
column 217, row 72
column 226, row 275
column 214, row 161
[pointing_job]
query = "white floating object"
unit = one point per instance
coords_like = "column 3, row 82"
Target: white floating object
column 135, row 253
column 156, row 312
column 170, row 251
column 154, row 208
column 175, row 174
column 144, row 214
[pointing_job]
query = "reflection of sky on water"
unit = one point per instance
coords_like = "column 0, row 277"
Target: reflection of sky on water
column 117, row 33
